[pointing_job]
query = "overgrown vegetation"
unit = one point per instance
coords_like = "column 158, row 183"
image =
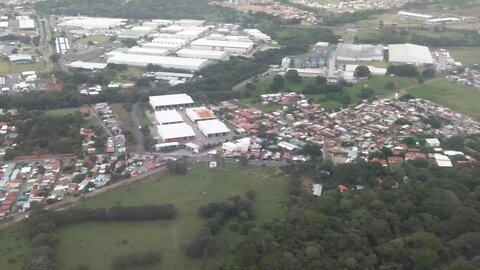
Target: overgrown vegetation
column 40, row 133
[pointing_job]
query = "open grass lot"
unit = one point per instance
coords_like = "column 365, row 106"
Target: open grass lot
column 458, row 97
column 132, row 74
column 7, row 68
column 62, row 112
column 93, row 38
column 14, row 248
column 95, row 244
column 377, row 83
column 122, row 115
column 467, row 55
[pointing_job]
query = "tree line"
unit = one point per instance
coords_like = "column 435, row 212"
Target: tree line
column 115, row 213
column 42, row 224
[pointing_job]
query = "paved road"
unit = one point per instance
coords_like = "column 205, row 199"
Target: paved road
column 45, row 36
column 134, row 113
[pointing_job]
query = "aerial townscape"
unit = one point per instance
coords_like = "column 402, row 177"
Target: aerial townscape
column 240, row 134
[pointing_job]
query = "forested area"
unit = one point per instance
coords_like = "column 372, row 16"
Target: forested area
column 39, row 133
column 437, row 38
column 418, row 218
column 136, row 9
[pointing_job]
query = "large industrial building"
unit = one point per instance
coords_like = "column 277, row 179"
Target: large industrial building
column 148, row 51
column 170, row 41
column 191, row 64
column 178, row 132
column 204, row 54
column 199, row 114
column 415, row 16
column 91, row 23
column 213, row 128
column 409, row 54
column 18, row 59
column 359, row 52
column 169, row 102
column 87, row 65
column 25, row 23
column 168, row 117
column 232, row 47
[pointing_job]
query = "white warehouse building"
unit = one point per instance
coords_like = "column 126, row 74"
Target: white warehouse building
column 148, row 51
column 232, row 47
column 204, row 54
column 409, row 54
column 169, row 102
column 168, row 117
column 179, row 132
column 170, row 41
column 191, row 64
column 213, row 128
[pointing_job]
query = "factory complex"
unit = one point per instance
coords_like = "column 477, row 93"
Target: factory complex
column 177, row 120
column 186, row 45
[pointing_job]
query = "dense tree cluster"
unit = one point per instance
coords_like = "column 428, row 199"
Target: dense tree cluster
column 203, row 244
column 424, row 37
column 179, row 166
column 43, row 239
column 42, row 133
column 136, row 259
column 417, row 218
column 116, row 213
column 403, row 70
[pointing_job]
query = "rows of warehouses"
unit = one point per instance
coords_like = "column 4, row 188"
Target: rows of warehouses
column 179, row 121
column 175, row 44
column 172, row 44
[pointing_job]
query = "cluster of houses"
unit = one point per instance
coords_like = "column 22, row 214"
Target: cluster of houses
column 24, row 183
column 8, row 131
column 354, row 132
column 116, row 142
column 470, row 77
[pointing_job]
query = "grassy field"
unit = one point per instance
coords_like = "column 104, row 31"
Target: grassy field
column 95, row 244
column 132, row 74
column 377, row 83
column 14, row 247
column 93, row 38
column 467, row 55
column 7, row 68
column 458, row 97
column 122, row 115
column 62, row 112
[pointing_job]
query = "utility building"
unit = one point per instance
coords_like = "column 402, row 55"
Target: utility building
column 169, row 102
column 200, row 114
